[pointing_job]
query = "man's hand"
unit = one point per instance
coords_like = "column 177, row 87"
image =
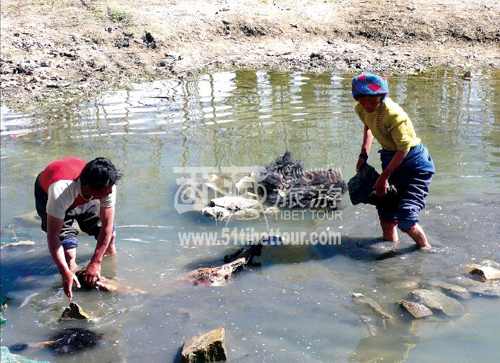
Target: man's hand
column 68, row 278
column 361, row 162
column 381, row 186
column 92, row 274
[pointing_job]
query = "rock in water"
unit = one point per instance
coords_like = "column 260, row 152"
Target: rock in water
column 102, row 285
column 210, row 347
column 417, row 310
column 487, row 288
column 436, row 300
column 485, row 272
column 361, row 299
column 74, row 312
column 108, row 285
column 361, row 188
column 451, row 289
column 216, row 276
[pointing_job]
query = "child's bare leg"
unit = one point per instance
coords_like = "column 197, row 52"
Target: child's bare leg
column 389, row 230
column 417, row 234
column 70, row 256
column 111, row 247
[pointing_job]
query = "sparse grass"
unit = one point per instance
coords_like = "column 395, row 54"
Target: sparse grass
column 117, row 16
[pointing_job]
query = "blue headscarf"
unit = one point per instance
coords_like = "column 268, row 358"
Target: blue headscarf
column 369, row 85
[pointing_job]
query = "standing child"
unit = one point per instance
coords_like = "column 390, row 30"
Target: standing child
column 406, row 162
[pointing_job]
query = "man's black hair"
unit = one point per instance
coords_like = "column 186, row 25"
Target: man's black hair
column 100, row 173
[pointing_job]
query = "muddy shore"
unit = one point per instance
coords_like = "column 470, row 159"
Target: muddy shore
column 55, row 50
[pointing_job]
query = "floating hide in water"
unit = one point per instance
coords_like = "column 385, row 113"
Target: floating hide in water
column 361, row 188
column 66, row 342
column 288, row 184
column 217, row 276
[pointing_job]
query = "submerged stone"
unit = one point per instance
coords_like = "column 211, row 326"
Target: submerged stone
column 486, row 288
column 361, row 299
column 451, row 289
column 209, row 347
column 74, row 312
column 417, row 310
column 436, row 300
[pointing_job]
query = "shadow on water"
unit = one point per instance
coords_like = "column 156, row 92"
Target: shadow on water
column 21, row 271
column 359, row 249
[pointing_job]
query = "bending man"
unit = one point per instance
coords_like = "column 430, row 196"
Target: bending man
column 71, row 189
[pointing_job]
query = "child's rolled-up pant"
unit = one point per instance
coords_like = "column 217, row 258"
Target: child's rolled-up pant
column 411, row 179
column 412, row 188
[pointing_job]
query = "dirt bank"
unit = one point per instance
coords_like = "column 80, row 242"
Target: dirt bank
column 74, row 48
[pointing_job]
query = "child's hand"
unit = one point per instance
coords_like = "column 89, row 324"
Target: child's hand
column 381, row 186
column 359, row 165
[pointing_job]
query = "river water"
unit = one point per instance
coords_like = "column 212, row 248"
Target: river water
column 296, row 307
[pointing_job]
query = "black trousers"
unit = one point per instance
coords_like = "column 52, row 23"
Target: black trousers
column 87, row 216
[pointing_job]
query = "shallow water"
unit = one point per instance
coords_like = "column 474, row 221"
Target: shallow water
column 296, row 307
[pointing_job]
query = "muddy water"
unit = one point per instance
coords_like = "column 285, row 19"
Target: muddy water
column 296, row 307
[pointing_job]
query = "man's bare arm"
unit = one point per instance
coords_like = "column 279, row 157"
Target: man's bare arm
column 93, row 271
column 54, row 226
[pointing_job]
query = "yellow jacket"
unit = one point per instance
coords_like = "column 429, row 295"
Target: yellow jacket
column 390, row 125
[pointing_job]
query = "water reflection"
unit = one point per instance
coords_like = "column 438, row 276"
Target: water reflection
column 296, row 307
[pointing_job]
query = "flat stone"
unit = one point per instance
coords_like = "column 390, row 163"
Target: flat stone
column 451, row 289
column 486, row 288
column 436, row 300
column 406, row 285
column 74, row 312
column 233, row 203
column 485, row 272
column 417, row 310
column 209, row 347
column 361, row 299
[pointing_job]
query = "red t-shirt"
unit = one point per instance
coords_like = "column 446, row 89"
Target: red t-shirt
column 64, row 169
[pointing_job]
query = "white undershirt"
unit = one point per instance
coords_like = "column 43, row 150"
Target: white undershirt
column 63, row 193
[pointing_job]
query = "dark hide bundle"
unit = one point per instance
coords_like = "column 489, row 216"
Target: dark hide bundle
column 288, row 184
column 361, row 189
